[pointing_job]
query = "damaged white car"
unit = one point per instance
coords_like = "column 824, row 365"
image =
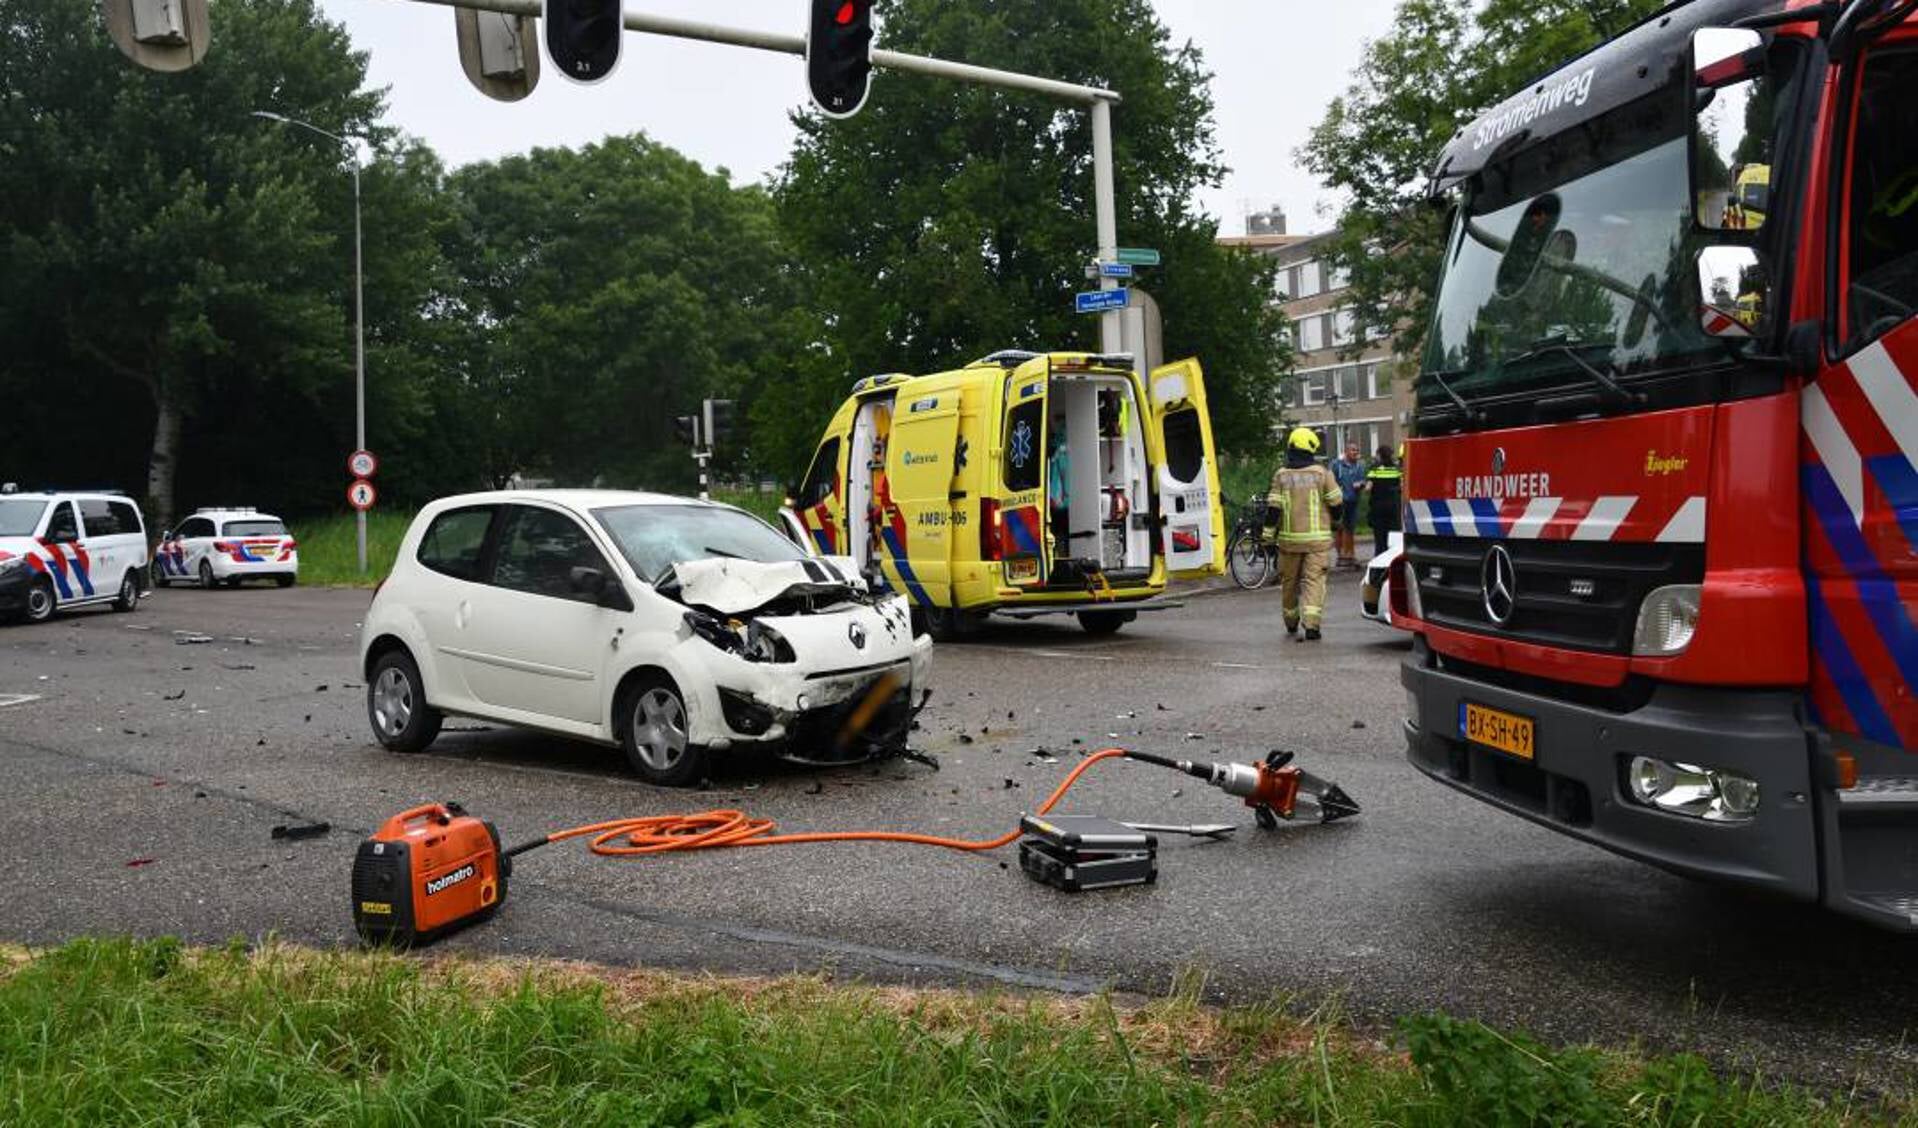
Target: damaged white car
column 676, row 629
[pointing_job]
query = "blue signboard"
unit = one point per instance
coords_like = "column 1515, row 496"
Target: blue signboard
column 1099, row 301
column 1115, row 270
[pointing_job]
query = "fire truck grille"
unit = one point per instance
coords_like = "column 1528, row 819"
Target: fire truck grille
column 1581, row 595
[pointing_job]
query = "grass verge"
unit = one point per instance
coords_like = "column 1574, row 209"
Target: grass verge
column 111, row 1031
column 329, row 548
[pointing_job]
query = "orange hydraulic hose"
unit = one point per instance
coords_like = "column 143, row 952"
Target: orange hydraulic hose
column 664, row 834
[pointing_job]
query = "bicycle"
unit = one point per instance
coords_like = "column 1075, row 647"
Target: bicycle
column 1251, row 555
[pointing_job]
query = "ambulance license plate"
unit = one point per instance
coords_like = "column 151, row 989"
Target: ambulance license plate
column 1507, row 732
column 1019, row 571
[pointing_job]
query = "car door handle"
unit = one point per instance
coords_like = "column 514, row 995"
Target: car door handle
column 462, row 613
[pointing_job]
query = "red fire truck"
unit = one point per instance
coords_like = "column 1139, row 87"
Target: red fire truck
column 1661, row 552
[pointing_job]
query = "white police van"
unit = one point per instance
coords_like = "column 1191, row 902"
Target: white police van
column 225, row 546
column 62, row 549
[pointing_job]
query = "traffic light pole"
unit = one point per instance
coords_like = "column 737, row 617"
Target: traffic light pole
column 1097, row 99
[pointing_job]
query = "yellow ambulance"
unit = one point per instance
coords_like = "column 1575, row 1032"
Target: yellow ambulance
column 1023, row 484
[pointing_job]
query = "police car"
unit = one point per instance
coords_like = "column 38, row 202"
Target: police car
column 69, row 549
column 225, row 546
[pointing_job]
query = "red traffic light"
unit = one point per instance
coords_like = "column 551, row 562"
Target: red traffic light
column 846, row 14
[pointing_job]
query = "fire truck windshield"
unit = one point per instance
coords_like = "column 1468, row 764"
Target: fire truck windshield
column 1544, row 272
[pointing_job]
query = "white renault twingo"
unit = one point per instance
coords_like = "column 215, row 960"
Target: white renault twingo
column 674, row 628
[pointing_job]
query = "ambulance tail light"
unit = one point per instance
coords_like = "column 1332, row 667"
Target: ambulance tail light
column 992, row 532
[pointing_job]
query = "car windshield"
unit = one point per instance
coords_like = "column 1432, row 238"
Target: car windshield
column 260, row 527
column 654, row 537
column 1577, row 253
column 19, row 517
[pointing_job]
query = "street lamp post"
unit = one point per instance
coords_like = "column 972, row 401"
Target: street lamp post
column 359, row 309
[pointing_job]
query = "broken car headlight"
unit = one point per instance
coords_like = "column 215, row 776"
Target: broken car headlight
column 763, row 644
column 752, row 641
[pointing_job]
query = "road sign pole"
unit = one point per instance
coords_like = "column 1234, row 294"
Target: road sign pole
column 704, row 456
column 359, row 350
column 1105, row 215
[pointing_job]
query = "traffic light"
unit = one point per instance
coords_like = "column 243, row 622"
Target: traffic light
column 839, row 55
column 498, row 52
column 719, row 421
column 582, row 37
column 687, row 428
column 161, row 35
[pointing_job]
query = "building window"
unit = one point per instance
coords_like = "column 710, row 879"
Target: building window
column 1311, row 333
column 1339, row 278
column 1304, row 280
column 1377, row 384
column 1312, row 389
column 1342, row 327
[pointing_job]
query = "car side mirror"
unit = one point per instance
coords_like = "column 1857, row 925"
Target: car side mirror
column 586, row 581
column 1731, row 291
column 1731, row 91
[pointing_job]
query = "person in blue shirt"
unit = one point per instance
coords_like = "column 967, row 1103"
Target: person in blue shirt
column 1350, row 472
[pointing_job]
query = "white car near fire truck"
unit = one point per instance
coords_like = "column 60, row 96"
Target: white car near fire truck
column 224, row 546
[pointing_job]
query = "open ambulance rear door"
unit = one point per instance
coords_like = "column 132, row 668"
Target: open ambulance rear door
column 1191, row 522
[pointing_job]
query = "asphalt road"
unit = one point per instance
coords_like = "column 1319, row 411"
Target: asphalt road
column 141, row 784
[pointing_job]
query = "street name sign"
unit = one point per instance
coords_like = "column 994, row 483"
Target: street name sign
column 1100, row 301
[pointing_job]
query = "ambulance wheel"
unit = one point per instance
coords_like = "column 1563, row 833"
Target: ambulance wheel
column 949, row 624
column 206, row 576
column 129, row 597
column 652, row 729
column 396, row 705
column 1105, row 622
column 40, row 601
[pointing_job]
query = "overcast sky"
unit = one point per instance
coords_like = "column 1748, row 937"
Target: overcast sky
column 1276, row 63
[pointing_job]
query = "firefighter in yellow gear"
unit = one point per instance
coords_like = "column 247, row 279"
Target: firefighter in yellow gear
column 1304, row 494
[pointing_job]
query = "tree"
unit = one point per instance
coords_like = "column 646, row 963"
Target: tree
column 947, row 221
column 176, row 258
column 1444, row 62
column 615, row 286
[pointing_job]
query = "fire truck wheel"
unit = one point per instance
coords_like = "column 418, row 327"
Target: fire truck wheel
column 40, row 602
column 129, row 597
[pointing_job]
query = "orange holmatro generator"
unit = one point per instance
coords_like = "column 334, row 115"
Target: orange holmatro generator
column 426, row 871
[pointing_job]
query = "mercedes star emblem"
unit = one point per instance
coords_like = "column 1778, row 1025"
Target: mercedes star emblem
column 857, row 634
column 1499, row 581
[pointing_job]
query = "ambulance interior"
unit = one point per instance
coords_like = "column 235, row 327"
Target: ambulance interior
column 1105, row 515
column 866, row 481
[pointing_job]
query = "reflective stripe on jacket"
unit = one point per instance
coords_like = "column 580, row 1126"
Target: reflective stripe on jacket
column 1304, row 495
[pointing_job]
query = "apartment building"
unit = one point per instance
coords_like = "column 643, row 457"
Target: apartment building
column 1345, row 390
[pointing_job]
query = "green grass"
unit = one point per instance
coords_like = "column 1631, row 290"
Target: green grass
column 329, row 551
column 117, row 1031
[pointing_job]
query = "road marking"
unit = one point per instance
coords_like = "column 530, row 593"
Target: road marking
column 9, row 699
column 1237, row 666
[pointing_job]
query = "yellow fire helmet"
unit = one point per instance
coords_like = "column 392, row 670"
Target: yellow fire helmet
column 1303, row 438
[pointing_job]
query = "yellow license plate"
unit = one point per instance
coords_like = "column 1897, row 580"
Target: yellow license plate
column 1506, row 732
column 1019, row 571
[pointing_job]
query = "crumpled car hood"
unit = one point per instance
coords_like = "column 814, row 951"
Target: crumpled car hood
column 734, row 587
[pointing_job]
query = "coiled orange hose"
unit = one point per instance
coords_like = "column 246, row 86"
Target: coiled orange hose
column 707, row 830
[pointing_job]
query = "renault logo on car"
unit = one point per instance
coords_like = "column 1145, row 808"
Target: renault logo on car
column 857, row 634
column 1498, row 580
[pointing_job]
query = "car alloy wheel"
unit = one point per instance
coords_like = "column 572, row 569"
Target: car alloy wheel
column 40, row 602
column 129, row 597
column 206, row 575
column 659, row 729
column 392, row 702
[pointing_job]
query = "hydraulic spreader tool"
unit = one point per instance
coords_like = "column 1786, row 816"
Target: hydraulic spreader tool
column 435, row 868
